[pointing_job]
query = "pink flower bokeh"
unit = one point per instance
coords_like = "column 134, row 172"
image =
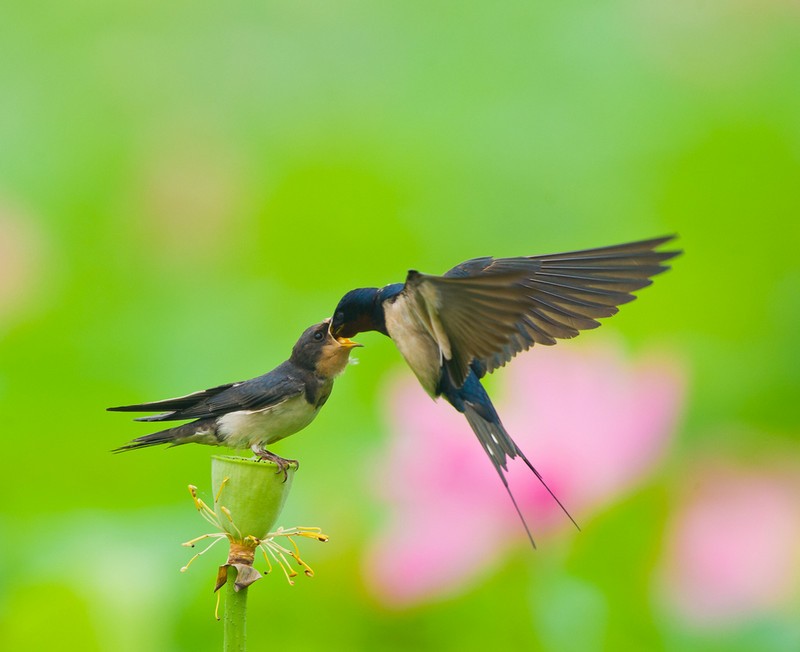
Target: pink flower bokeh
column 592, row 423
column 22, row 259
column 731, row 547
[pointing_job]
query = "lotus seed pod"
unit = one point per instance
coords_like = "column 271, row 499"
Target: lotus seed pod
column 248, row 495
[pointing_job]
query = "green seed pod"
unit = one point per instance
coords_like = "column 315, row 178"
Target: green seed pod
column 248, row 495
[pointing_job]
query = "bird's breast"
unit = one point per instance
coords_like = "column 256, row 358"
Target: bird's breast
column 414, row 342
column 244, row 428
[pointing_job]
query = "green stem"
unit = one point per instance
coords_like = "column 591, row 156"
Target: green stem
column 235, row 618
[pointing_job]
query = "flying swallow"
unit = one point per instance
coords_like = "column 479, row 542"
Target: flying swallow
column 454, row 329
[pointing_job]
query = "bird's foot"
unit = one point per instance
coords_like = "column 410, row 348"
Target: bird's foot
column 283, row 463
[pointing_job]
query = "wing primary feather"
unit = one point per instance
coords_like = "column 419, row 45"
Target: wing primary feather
column 613, row 295
column 634, row 258
column 174, row 404
column 567, row 291
column 253, row 394
column 546, row 338
column 165, row 416
column 556, row 329
column 622, row 282
column 639, row 245
column 591, row 309
column 640, row 270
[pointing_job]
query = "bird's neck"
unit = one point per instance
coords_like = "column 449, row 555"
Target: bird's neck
column 377, row 314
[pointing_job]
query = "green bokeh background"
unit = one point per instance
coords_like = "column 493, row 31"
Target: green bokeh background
column 201, row 181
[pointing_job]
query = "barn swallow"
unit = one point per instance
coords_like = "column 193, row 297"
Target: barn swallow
column 454, row 329
column 258, row 412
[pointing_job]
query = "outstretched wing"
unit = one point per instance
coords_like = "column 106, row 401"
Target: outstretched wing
column 256, row 394
column 486, row 310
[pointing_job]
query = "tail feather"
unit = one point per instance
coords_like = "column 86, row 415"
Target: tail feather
column 550, row 491
column 500, row 447
column 162, row 437
column 472, row 400
column 497, row 454
column 201, row 430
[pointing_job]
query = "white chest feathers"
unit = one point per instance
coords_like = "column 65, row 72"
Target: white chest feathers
column 414, row 341
column 244, row 428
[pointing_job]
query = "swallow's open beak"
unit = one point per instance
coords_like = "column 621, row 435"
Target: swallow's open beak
column 347, row 342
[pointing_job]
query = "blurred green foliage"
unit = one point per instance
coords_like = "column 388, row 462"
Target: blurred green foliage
column 184, row 187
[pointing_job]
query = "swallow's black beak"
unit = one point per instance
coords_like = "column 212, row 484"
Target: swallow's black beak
column 340, row 329
column 344, row 341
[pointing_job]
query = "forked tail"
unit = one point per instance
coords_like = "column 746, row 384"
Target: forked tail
column 194, row 431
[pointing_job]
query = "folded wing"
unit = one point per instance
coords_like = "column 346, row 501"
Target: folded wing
column 256, row 394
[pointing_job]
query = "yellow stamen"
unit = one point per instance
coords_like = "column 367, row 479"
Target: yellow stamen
column 292, row 572
column 227, row 513
column 190, row 544
column 275, row 557
column 221, row 487
column 217, row 539
column 266, row 558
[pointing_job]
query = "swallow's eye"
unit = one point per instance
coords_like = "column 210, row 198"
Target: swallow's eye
column 340, row 317
column 318, row 336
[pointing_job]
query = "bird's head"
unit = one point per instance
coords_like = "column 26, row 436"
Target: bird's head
column 358, row 311
column 319, row 351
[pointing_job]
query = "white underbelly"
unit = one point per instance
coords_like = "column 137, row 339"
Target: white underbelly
column 244, row 428
column 415, row 343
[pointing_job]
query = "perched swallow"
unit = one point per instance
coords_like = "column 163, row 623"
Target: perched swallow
column 258, row 412
column 454, row 329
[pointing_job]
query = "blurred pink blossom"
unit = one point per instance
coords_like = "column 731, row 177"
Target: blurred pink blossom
column 731, row 549
column 22, row 258
column 591, row 422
